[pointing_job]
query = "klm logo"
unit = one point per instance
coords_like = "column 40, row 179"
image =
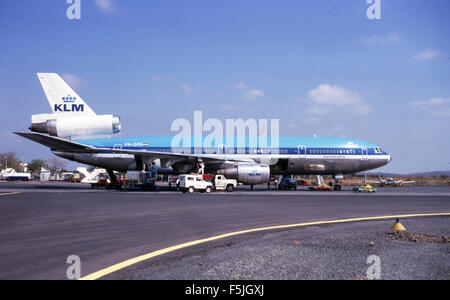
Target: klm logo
column 66, row 107
column 69, row 99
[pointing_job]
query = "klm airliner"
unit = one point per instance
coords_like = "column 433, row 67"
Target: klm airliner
column 69, row 130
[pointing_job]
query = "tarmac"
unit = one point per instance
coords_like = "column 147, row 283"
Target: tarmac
column 41, row 224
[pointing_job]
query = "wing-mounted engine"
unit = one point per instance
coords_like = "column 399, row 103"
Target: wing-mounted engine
column 247, row 173
column 75, row 126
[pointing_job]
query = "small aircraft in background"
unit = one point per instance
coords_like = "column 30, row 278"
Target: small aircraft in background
column 390, row 181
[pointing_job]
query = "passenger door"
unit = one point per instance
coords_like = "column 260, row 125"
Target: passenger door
column 301, row 151
column 364, row 153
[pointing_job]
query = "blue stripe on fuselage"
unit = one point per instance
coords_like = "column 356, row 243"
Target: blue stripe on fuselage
column 286, row 145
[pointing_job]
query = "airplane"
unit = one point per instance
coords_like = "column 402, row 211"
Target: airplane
column 390, row 181
column 75, row 132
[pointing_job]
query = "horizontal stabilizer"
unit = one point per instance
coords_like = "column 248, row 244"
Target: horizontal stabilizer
column 55, row 143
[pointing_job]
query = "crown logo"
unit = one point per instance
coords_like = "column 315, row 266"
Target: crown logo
column 69, row 99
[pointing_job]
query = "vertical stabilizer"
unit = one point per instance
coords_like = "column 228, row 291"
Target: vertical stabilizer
column 61, row 97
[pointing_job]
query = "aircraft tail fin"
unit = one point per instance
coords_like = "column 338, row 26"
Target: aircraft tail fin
column 61, row 97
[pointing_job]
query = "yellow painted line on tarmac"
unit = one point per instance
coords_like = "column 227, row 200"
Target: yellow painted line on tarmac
column 12, row 193
column 127, row 263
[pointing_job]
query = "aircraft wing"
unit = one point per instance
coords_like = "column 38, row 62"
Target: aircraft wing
column 408, row 182
column 179, row 156
column 56, row 143
column 63, row 145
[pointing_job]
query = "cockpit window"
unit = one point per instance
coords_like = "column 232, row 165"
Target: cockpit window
column 378, row 150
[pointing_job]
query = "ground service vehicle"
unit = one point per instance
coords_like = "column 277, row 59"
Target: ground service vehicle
column 287, row 183
column 223, row 184
column 138, row 181
column 365, row 188
column 192, row 182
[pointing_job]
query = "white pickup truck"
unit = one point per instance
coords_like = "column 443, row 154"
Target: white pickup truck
column 223, row 184
column 190, row 183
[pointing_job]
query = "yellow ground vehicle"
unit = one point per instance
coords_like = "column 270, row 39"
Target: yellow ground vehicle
column 365, row 188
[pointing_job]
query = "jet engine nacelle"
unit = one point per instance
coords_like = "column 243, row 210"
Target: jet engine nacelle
column 79, row 126
column 249, row 174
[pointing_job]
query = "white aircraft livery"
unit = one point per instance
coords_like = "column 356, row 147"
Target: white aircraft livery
column 75, row 132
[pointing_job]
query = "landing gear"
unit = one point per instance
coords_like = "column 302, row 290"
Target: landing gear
column 114, row 184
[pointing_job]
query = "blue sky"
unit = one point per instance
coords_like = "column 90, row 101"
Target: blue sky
column 321, row 67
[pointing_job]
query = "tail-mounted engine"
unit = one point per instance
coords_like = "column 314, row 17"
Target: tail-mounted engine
column 75, row 126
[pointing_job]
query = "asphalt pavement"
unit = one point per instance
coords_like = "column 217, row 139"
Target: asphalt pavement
column 42, row 224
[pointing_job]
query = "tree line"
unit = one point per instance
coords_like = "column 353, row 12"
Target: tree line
column 10, row 160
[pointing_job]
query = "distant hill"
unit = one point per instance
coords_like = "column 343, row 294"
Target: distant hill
column 430, row 174
column 417, row 174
